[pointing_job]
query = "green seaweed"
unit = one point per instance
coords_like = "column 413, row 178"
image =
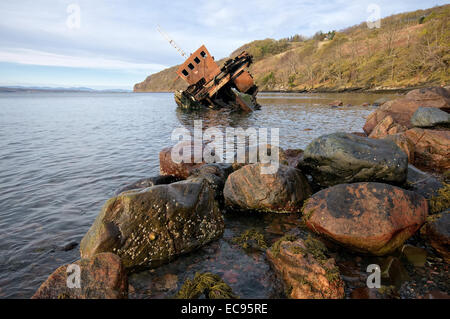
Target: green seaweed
column 207, row 284
column 306, row 215
column 250, row 236
column 297, row 250
column 316, row 248
column 333, row 274
column 441, row 201
column 275, row 249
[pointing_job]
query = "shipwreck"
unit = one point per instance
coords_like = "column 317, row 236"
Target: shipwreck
column 229, row 86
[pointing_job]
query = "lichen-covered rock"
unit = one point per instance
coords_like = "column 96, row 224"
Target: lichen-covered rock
column 148, row 182
column 281, row 192
column 387, row 127
column 431, row 148
column 437, row 232
column 402, row 109
column 101, row 277
column 430, row 117
column 371, row 218
column 306, row 270
column 150, row 227
column 345, row 158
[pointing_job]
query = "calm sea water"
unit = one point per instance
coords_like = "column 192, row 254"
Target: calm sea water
column 62, row 155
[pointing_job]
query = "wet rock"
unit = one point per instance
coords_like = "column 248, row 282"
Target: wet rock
column 150, row 227
column 336, row 103
column 102, row 277
column 148, row 182
column 215, row 174
column 402, row 109
column 169, row 166
column 292, row 157
column 168, row 282
column 423, row 183
column 415, row 255
column 393, row 272
column 387, row 127
column 371, row 218
column 437, row 232
column 69, row 246
column 281, row 192
column 344, row 158
column 436, row 294
column 365, row 104
column 362, row 134
column 430, row 117
column 380, row 101
column 431, row 148
column 305, row 269
column 365, row 293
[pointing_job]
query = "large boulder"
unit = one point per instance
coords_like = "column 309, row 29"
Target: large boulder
column 149, row 227
column 101, row 277
column 431, row 148
column 402, row 109
column 387, row 127
column 281, row 192
column 371, row 218
column 437, row 232
column 430, row 117
column 253, row 155
column 148, row 182
column 431, row 97
column 345, row 158
column 306, row 270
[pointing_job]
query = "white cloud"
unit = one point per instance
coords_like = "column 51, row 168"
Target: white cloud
column 33, row 57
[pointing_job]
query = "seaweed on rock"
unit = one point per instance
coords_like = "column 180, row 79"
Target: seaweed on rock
column 207, row 284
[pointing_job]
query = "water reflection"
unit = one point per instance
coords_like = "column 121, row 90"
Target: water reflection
column 220, row 118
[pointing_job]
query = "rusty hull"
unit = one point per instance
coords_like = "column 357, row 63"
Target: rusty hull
column 211, row 86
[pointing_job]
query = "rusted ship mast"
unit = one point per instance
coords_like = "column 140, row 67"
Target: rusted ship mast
column 212, row 86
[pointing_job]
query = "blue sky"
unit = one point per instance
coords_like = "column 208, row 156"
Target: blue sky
column 115, row 44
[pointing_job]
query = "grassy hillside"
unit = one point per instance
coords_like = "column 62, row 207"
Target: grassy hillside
column 409, row 50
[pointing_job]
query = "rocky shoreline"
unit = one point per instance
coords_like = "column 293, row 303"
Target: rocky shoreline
column 350, row 200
